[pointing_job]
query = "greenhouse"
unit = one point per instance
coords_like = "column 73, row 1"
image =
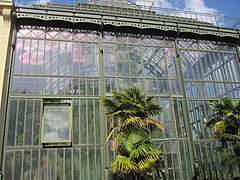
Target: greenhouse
column 63, row 57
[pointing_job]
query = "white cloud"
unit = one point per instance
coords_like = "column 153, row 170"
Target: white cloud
column 44, row 1
column 199, row 6
column 145, row 2
column 156, row 3
column 29, row 3
column 164, row 4
column 190, row 5
column 187, row 5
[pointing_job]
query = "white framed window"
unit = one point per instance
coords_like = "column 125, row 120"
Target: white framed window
column 56, row 123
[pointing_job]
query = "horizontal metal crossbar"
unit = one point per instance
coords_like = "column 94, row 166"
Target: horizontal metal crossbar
column 145, row 8
column 156, row 24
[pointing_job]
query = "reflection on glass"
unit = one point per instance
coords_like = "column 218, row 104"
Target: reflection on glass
column 73, row 63
column 56, row 126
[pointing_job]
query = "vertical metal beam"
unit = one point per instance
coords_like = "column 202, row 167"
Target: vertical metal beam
column 185, row 109
column 116, row 60
column 103, row 122
column 238, row 53
column 173, row 114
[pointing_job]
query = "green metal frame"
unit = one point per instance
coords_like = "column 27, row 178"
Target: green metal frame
column 155, row 24
column 178, row 102
column 57, row 143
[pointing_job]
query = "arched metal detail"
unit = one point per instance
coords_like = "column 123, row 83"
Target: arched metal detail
column 160, row 25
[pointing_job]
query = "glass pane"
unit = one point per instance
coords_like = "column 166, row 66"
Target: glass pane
column 12, row 121
column 109, row 60
column 56, row 123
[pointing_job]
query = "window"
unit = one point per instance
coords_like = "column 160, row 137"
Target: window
column 56, row 128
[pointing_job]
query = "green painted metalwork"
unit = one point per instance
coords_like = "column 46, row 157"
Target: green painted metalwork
column 155, row 24
column 185, row 110
column 83, row 61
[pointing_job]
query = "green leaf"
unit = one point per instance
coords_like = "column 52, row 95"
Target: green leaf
column 124, row 165
column 132, row 109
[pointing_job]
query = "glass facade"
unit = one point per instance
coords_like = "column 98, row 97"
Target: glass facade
column 81, row 66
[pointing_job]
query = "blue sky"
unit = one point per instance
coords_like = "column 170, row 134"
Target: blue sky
column 224, row 7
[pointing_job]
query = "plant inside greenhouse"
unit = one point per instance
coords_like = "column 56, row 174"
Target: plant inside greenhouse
column 133, row 113
column 225, row 122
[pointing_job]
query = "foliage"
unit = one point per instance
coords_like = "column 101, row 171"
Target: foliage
column 132, row 102
column 132, row 112
column 225, row 121
column 137, row 151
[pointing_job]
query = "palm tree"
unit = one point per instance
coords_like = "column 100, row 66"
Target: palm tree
column 225, row 121
column 132, row 112
column 132, row 102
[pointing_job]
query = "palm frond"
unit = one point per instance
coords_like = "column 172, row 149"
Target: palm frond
column 219, row 151
column 150, row 99
column 153, row 109
column 132, row 122
column 153, row 123
column 108, row 103
column 137, row 136
column 135, row 93
column 118, row 97
column 140, row 152
column 111, row 133
column 230, row 137
column 123, row 165
column 143, row 149
column 145, row 164
column 124, row 147
column 130, row 141
column 151, row 157
column 211, row 122
column 219, row 127
column 120, row 112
